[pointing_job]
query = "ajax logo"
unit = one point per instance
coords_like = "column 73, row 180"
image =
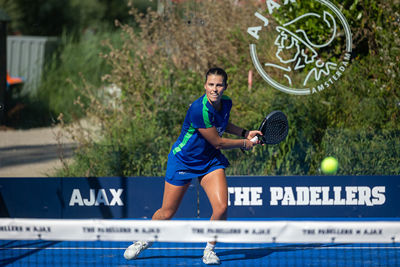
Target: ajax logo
column 300, row 52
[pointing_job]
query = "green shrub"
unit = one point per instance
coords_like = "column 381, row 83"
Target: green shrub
column 160, row 71
column 364, row 152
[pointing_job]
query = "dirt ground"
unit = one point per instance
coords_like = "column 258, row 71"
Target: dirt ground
column 32, row 153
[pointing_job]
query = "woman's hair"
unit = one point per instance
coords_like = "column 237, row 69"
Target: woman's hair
column 218, row 71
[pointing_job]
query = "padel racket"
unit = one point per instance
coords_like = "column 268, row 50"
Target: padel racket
column 275, row 128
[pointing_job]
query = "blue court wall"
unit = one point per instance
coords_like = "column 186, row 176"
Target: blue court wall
column 248, row 196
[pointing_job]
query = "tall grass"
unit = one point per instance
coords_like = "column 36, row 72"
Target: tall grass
column 75, row 63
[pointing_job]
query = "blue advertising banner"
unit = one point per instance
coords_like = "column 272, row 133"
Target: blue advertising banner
column 248, row 197
column 311, row 196
column 104, row 197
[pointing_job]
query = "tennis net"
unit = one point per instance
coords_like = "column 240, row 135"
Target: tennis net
column 56, row 242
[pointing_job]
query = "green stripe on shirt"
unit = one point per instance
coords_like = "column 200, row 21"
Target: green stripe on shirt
column 206, row 118
column 186, row 138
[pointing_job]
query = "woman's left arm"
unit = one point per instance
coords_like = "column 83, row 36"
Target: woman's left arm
column 236, row 130
column 239, row 131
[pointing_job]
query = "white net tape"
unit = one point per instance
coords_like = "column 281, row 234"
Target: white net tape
column 202, row 231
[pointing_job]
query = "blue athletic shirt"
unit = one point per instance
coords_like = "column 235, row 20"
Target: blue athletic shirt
column 192, row 155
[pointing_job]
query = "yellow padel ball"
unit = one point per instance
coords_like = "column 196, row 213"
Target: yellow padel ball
column 329, row 165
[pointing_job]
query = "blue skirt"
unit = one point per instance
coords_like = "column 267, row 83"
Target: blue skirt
column 177, row 171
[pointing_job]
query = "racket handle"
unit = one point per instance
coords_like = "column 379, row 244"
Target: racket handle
column 254, row 139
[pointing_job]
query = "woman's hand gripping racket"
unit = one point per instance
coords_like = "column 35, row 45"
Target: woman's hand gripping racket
column 274, row 127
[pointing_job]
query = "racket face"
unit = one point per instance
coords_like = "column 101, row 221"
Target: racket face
column 274, row 127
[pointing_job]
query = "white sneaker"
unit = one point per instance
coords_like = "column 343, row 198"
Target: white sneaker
column 134, row 250
column 210, row 257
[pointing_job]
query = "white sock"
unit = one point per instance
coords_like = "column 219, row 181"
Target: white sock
column 210, row 246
